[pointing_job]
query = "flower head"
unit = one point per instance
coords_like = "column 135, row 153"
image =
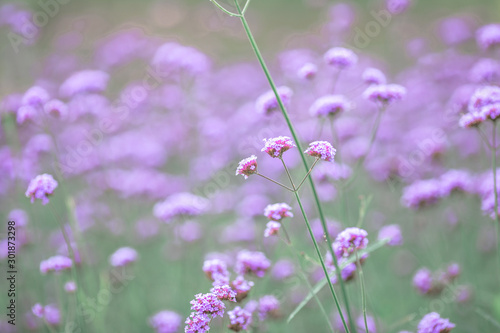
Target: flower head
column 123, row 256
column 349, row 240
column 56, row 108
column 393, row 232
column 329, row 105
column 321, row 149
column 180, row 204
column 275, row 147
column 272, row 228
column 471, row 119
column 247, row 166
column 86, row 81
column 278, row 211
column 307, row 71
column 241, row 287
column 433, row 323
column 253, row 262
column 70, row 287
column 384, row 94
column 224, row 293
column 208, row 304
column 267, row 103
column 55, row 264
column 488, row 36
column 240, row 319
column 268, row 306
column 41, row 187
column 422, row 193
column 422, row 280
column 165, row 322
column 373, row 76
column 340, row 58
column 486, row 101
column 197, row 323
column 216, row 270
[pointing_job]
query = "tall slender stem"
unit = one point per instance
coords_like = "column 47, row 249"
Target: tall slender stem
column 277, row 183
column 303, row 158
column 304, row 277
column 318, row 252
column 363, row 295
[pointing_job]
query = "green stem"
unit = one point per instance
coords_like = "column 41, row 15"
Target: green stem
column 288, row 174
column 308, row 173
column 306, row 280
column 277, row 183
column 303, row 158
column 318, row 252
column 225, row 10
column 363, row 295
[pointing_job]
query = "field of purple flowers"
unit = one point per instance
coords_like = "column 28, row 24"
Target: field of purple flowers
column 249, row 166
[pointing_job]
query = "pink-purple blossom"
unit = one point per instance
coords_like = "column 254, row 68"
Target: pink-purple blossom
column 41, row 187
column 322, row 150
column 247, row 166
column 275, row 147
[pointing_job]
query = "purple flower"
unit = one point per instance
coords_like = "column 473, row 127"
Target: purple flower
column 216, row 270
column 35, row 96
column 485, row 71
column 422, row 280
column 282, row 270
column 373, row 76
column 322, row 150
column 488, row 36
column 37, row 310
column 454, row 30
column 267, row 102
column 180, row 204
column 56, row 108
column 329, row 105
column 224, row 293
column 25, row 113
column 486, row 101
column 241, row 287
column 239, row 319
column 173, row 58
column 253, row 262
column 86, row 81
column 349, row 240
column 385, row 94
column 272, row 228
column 208, row 304
column 422, row 193
column 52, row 315
column 41, row 187
column 340, row 58
column 165, row 321
column 455, row 181
column 70, row 287
column 307, row 71
column 433, row 323
column 55, row 264
column 452, row 271
column 278, row 211
column 247, row 167
column 393, row 232
column 471, row 119
column 397, row 6
column 123, row 256
column 197, row 323
column 268, row 306
column 275, row 147
column 19, row 216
